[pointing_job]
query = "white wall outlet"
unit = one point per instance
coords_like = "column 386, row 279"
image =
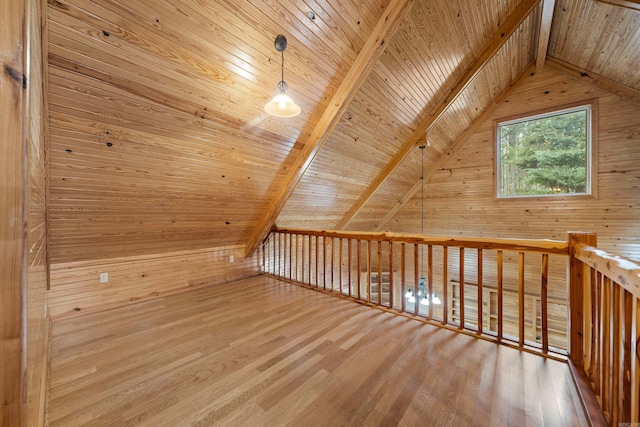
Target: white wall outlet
column 231, row 259
column 104, row 277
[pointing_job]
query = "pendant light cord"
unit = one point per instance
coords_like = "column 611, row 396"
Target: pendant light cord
column 282, row 52
column 422, row 198
column 422, row 147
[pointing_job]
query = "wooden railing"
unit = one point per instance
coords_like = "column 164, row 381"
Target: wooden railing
column 505, row 290
column 420, row 276
column 606, row 349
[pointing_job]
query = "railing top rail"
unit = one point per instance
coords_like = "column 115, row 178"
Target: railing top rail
column 516, row 245
column 621, row 270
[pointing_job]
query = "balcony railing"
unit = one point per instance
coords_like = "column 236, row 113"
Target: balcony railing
column 606, row 338
column 439, row 280
column 561, row 299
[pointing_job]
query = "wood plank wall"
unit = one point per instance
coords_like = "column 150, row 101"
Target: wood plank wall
column 459, row 198
column 76, row 287
column 22, row 226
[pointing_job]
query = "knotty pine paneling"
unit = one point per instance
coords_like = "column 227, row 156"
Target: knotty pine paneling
column 76, row 287
column 433, row 47
column 158, row 137
column 459, row 198
column 23, row 278
column 610, row 46
column 495, row 78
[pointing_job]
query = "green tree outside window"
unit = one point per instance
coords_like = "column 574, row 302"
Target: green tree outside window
column 544, row 155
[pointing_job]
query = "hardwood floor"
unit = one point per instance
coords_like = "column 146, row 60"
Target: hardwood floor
column 261, row 352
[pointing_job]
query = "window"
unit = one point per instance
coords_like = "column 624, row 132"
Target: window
column 545, row 155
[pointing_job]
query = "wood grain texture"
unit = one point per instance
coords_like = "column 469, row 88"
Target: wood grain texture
column 374, row 47
column 508, row 27
column 291, row 357
column 13, row 191
column 610, row 46
column 76, row 287
column 37, row 319
column 544, row 33
column 460, row 196
column 158, row 138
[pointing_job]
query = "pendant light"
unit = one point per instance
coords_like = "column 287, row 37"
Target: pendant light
column 282, row 105
column 423, row 294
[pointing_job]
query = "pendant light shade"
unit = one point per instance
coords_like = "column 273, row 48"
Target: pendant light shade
column 282, row 105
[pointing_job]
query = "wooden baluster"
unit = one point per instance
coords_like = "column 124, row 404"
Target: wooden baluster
column 521, row 298
column 349, row 250
column 544, row 312
column 369, row 271
column 500, row 329
column 635, row 364
column 267, row 255
column 324, row 262
column 430, row 280
column 598, row 369
column 590, row 324
column 480, row 300
column 403, row 277
column 290, row 256
column 628, row 354
column 605, row 394
column 317, row 262
column 333, row 263
column 278, row 251
column 416, row 280
column 390, row 275
column 359, row 267
column 461, row 293
column 445, row 288
column 379, row 272
column 302, row 260
column 617, row 355
column 340, row 265
column 297, row 259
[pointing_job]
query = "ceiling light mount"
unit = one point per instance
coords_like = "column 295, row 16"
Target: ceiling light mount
column 282, row 105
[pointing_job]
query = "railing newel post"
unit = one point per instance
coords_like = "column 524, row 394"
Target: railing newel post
column 575, row 272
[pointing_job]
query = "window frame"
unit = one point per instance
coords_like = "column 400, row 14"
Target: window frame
column 591, row 105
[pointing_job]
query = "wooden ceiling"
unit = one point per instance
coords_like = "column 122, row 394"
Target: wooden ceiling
column 158, row 140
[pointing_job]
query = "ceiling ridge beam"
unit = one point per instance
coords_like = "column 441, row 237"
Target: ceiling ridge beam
column 384, row 30
column 623, row 91
column 544, row 33
column 507, row 28
column 458, row 144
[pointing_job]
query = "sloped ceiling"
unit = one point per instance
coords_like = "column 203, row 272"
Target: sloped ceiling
column 157, row 136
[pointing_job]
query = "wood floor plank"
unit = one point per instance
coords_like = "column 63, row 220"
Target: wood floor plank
column 265, row 352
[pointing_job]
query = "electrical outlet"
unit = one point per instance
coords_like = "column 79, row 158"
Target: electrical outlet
column 231, row 259
column 104, row 277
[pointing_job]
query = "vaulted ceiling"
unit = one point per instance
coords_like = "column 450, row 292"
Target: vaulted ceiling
column 158, row 140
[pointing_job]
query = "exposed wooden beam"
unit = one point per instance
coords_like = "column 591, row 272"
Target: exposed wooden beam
column 626, row 92
column 13, row 104
column 545, row 31
column 493, row 46
column 459, row 143
column 359, row 71
column 629, row 4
